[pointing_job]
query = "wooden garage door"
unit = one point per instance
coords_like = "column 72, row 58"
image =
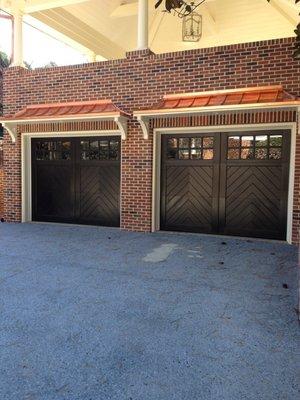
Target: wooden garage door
column 228, row 183
column 76, row 180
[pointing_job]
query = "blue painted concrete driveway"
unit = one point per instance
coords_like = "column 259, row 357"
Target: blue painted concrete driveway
column 96, row 314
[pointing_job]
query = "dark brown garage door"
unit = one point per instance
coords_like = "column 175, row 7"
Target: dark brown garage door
column 76, row 180
column 227, row 183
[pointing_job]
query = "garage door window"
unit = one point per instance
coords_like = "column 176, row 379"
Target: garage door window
column 187, row 148
column 76, row 180
column 258, row 147
column 238, row 187
column 53, row 151
column 103, row 149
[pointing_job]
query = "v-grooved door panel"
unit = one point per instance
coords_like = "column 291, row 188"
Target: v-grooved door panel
column 226, row 183
column 254, row 184
column 54, row 197
column 253, row 201
column 99, row 194
column 188, row 185
column 189, row 197
column 76, row 180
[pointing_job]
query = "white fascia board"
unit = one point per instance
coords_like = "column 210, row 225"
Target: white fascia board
column 120, row 120
column 210, row 109
column 143, row 117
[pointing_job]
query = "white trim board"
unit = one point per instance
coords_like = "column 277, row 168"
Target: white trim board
column 156, row 171
column 26, row 163
column 73, row 133
column 12, row 125
column 143, row 116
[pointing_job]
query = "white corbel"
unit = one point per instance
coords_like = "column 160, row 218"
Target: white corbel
column 122, row 125
column 144, row 122
column 11, row 129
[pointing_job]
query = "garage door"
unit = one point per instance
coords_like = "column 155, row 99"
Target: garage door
column 76, row 180
column 227, row 183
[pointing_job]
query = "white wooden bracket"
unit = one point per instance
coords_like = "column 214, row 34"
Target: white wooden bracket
column 144, row 122
column 122, row 125
column 12, row 130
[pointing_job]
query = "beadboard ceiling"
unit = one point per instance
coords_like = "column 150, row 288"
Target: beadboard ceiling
column 108, row 28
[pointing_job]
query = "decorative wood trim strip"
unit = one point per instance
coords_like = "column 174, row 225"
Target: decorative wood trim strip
column 259, row 117
column 69, row 126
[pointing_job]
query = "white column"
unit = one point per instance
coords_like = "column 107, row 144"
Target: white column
column 142, row 41
column 18, row 40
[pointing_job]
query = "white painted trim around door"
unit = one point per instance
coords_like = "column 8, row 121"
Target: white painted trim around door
column 156, row 170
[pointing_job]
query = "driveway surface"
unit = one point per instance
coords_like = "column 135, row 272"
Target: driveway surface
column 96, row 314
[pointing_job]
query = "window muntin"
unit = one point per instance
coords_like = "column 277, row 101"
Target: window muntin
column 113, row 149
column 53, row 150
column 90, row 149
column 275, row 153
column 258, row 147
column 261, row 141
column 101, row 149
column 190, row 148
column 247, row 141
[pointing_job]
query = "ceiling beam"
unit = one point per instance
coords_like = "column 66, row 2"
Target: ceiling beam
column 291, row 4
column 208, row 19
column 32, row 6
column 293, row 21
column 129, row 9
column 155, row 26
column 72, row 27
column 125, row 10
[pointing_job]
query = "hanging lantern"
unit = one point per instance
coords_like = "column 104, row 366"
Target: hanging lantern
column 192, row 27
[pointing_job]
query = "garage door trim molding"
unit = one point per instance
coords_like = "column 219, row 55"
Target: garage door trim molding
column 156, row 172
column 26, row 162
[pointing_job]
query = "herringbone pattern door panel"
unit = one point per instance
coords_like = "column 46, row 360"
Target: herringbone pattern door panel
column 188, row 189
column 53, row 194
column 76, row 180
column 232, row 183
column 99, row 194
column 253, row 200
column 189, row 198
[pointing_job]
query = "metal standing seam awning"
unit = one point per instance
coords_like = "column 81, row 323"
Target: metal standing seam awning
column 219, row 102
column 81, row 111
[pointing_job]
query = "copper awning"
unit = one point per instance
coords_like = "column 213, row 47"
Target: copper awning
column 256, row 98
column 272, row 94
column 63, row 112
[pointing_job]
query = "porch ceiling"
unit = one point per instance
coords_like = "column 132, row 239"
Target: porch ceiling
column 108, row 29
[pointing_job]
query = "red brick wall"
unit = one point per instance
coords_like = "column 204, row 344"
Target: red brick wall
column 296, row 210
column 1, row 193
column 1, row 156
column 139, row 81
column 1, row 89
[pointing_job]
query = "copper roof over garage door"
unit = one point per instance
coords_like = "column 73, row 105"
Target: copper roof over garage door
column 67, row 110
column 259, row 95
